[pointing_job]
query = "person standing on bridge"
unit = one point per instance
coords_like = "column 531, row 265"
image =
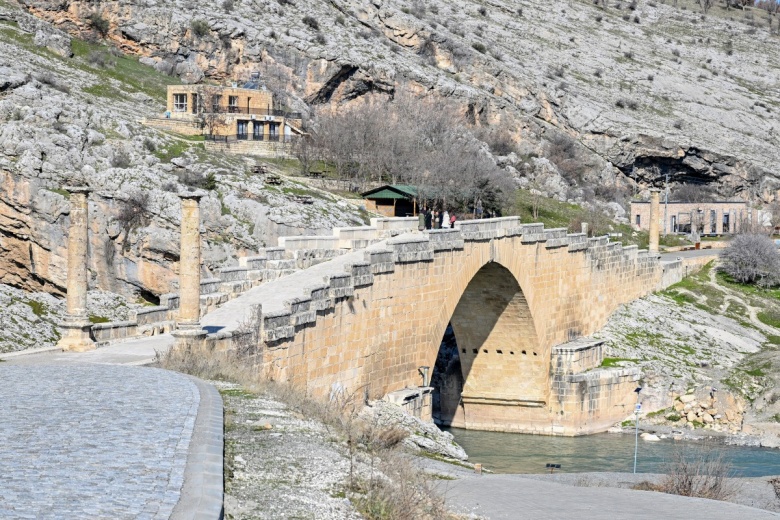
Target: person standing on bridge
column 421, row 220
column 428, row 218
column 453, row 218
column 445, row 220
column 436, row 220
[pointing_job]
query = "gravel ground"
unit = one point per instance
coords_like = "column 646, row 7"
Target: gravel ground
column 278, row 464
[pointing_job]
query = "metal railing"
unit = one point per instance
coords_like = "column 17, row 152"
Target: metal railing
column 250, row 137
column 236, row 109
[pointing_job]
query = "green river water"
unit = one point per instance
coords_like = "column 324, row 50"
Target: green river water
column 516, row 453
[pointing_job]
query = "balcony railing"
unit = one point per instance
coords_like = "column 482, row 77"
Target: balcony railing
column 235, row 109
column 250, row 137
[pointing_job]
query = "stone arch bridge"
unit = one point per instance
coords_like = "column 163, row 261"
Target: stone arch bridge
column 521, row 300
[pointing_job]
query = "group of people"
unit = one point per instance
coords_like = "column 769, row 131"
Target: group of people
column 435, row 219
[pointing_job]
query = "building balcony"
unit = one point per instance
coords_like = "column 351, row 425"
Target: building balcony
column 235, row 109
column 250, row 137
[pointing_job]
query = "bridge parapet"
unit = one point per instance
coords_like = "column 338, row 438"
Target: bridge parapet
column 486, row 229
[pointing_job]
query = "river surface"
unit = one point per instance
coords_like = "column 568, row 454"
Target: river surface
column 517, row 453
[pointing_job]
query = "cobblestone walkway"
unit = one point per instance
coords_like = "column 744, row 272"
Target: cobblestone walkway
column 97, row 442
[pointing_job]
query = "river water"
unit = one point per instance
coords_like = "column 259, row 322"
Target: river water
column 517, row 453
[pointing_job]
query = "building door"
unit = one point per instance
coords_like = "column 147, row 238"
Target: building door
column 726, row 228
column 258, row 130
column 242, row 129
column 639, row 221
column 273, row 131
column 713, row 222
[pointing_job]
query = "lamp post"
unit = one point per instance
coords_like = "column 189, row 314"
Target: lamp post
column 637, row 409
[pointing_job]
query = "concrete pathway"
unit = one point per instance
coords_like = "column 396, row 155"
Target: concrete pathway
column 499, row 497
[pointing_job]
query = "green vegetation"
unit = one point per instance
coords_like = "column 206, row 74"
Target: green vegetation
column 103, row 90
column 673, row 417
column 134, row 76
column 238, row 392
column 172, row 150
column 615, row 361
column 98, row 319
column 770, row 317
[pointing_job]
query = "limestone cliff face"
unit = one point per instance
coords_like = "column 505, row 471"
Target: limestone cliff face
column 651, row 87
column 66, row 121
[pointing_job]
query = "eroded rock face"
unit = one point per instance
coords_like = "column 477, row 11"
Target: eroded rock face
column 56, row 131
column 694, row 99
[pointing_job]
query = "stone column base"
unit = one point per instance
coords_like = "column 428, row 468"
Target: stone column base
column 76, row 336
column 189, row 336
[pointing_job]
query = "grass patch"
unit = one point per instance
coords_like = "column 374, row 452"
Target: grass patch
column 98, row 319
column 238, row 392
column 103, row 90
column 608, row 362
column 38, row 308
column 172, row 150
column 436, row 456
column 770, row 317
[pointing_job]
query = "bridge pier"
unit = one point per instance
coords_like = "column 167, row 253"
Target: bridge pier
column 77, row 326
column 188, row 321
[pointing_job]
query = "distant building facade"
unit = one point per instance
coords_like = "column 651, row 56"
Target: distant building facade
column 711, row 218
column 233, row 119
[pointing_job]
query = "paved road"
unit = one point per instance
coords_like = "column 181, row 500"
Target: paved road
column 505, row 497
column 140, row 351
column 666, row 257
column 93, row 441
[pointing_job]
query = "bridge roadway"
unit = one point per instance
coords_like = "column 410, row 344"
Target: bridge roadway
column 89, row 435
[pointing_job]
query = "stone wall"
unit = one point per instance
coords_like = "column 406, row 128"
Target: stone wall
column 679, row 212
column 513, row 291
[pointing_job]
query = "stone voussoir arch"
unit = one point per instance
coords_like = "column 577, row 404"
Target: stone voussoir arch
column 522, row 300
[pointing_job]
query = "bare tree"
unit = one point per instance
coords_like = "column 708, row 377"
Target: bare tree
column 209, row 108
column 752, row 258
column 705, row 5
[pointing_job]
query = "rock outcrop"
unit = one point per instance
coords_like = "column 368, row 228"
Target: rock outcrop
column 648, row 91
column 70, row 120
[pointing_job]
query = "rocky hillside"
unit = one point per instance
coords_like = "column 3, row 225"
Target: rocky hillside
column 704, row 333
column 645, row 87
column 69, row 114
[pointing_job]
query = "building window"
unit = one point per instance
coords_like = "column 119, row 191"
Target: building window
column 180, row 102
column 713, row 222
column 241, row 130
column 258, row 130
column 726, row 227
column 638, row 220
column 216, row 99
column 233, row 104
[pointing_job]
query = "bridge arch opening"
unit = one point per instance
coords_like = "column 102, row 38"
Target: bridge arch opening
column 490, row 361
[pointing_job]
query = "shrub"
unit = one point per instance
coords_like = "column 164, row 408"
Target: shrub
column 699, row 473
column 48, row 78
column 320, row 38
column 120, row 159
column 340, row 20
column 479, row 47
column 752, row 258
column 200, row 28
column 133, row 212
column 149, row 145
column 564, row 153
column 227, row 6
column 210, row 182
column 482, row 10
column 311, row 22
column 97, row 59
column 99, row 23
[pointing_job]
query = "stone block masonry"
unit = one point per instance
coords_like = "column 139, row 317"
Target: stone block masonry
column 513, row 292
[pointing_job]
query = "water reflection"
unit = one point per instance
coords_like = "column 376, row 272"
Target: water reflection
column 515, row 453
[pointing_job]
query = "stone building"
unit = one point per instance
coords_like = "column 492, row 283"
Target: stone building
column 233, row 119
column 711, row 218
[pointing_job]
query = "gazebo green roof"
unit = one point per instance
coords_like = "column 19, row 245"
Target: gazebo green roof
column 391, row 191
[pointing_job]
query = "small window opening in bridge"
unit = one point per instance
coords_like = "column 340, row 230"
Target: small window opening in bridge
column 511, row 352
column 499, row 352
column 534, row 353
column 524, row 352
column 484, row 350
column 463, row 350
column 474, row 351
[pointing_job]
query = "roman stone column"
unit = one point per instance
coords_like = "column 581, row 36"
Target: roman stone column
column 76, row 336
column 189, row 262
column 654, row 214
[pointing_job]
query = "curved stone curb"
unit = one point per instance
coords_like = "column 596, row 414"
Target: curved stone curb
column 202, row 493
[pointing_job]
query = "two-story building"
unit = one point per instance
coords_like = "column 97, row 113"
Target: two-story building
column 233, row 119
